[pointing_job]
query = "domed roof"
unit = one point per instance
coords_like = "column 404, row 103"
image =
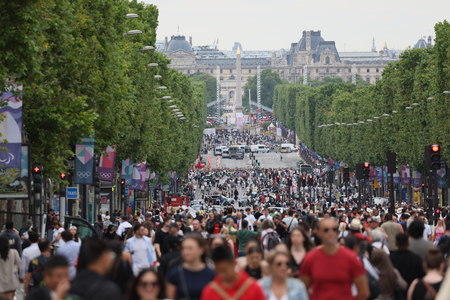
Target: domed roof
column 179, row 43
column 316, row 38
column 420, row 44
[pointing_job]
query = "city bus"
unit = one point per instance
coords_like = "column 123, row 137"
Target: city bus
column 305, row 168
column 233, row 151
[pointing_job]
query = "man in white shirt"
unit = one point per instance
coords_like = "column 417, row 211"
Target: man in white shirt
column 141, row 249
column 265, row 215
column 29, row 254
column 290, row 221
column 123, row 226
column 427, row 230
column 250, row 218
column 239, row 220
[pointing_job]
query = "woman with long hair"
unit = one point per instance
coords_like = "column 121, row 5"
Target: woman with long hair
column 98, row 226
column 149, row 230
column 57, row 239
column 9, row 258
column 73, row 229
column 188, row 279
column 390, row 278
column 148, row 285
column 253, row 262
column 110, row 233
column 298, row 244
column 121, row 271
column 217, row 224
column 439, row 230
column 230, row 243
column 429, row 285
column 279, row 285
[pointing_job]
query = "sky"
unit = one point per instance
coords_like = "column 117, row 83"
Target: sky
column 275, row 24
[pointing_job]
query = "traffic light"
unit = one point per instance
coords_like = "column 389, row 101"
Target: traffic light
column 310, row 180
column 278, row 178
column 63, row 176
column 437, row 215
column 392, row 162
column 37, row 183
column 435, row 157
column 122, row 189
column 303, row 181
column 37, row 177
column 289, row 181
column 366, row 171
column 346, row 174
column 423, row 188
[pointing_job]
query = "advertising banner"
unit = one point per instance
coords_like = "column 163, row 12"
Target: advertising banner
column 11, row 127
column 84, row 162
column 127, row 171
column 406, row 178
column 442, row 175
column 239, row 120
column 106, row 167
column 139, row 177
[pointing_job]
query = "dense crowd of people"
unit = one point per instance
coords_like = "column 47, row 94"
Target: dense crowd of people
column 280, row 242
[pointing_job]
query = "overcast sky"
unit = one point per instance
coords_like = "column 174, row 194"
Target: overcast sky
column 275, row 24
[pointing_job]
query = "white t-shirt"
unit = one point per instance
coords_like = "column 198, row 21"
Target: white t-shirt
column 426, row 232
column 251, row 220
column 261, row 218
column 60, row 242
column 140, row 255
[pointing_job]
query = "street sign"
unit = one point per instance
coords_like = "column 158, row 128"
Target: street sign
column 72, row 193
column 127, row 191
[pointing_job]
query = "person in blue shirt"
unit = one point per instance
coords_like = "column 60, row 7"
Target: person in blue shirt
column 141, row 249
column 70, row 251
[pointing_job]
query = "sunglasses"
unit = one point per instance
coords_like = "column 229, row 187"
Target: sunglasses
column 153, row 284
column 280, row 263
column 335, row 229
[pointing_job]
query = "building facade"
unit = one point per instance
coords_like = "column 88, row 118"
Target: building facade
column 320, row 56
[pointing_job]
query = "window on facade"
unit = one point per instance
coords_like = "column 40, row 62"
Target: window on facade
column 211, row 71
column 303, row 60
column 338, row 70
column 188, row 62
column 359, row 70
column 377, row 70
column 180, row 62
column 317, row 70
column 328, row 71
column 349, row 70
column 189, row 71
column 249, row 70
column 327, row 60
column 221, row 71
column 198, row 71
column 368, row 79
column 368, row 70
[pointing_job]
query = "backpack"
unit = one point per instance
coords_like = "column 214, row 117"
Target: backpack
column 11, row 240
column 124, row 233
column 273, row 239
column 37, row 273
column 444, row 245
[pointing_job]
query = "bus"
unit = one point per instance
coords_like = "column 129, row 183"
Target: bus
column 233, row 151
column 305, row 168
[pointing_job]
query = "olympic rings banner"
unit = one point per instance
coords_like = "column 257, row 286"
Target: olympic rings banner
column 84, row 163
column 127, row 171
column 106, row 167
column 139, row 171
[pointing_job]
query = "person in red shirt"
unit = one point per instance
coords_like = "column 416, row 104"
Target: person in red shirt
column 228, row 283
column 331, row 269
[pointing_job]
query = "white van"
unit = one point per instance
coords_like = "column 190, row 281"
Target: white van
column 290, row 146
column 218, row 150
column 263, row 149
column 254, row 148
column 225, row 153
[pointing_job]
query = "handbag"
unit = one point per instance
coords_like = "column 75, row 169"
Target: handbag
column 183, row 284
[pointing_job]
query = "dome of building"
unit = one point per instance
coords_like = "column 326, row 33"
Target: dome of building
column 179, row 43
column 316, row 38
column 420, row 44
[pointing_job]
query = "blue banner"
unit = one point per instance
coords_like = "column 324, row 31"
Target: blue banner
column 84, row 162
column 127, row 171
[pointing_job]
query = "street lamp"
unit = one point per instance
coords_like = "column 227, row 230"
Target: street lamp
column 132, row 32
column 183, row 118
column 158, row 76
column 153, row 65
column 349, row 124
column 394, row 111
column 431, row 98
column 376, row 118
column 446, row 92
column 173, row 106
column 386, row 115
column 415, row 104
column 170, row 101
column 161, row 88
column 130, row 16
column 165, row 97
column 369, row 120
column 147, row 48
column 409, row 108
column 343, row 123
column 355, row 123
column 362, row 122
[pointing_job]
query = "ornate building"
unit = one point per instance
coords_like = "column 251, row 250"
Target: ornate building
column 321, row 58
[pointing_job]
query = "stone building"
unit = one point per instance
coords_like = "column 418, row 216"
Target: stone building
column 320, row 56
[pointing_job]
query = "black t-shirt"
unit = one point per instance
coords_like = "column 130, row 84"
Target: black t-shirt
column 281, row 231
column 257, row 215
column 160, row 238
